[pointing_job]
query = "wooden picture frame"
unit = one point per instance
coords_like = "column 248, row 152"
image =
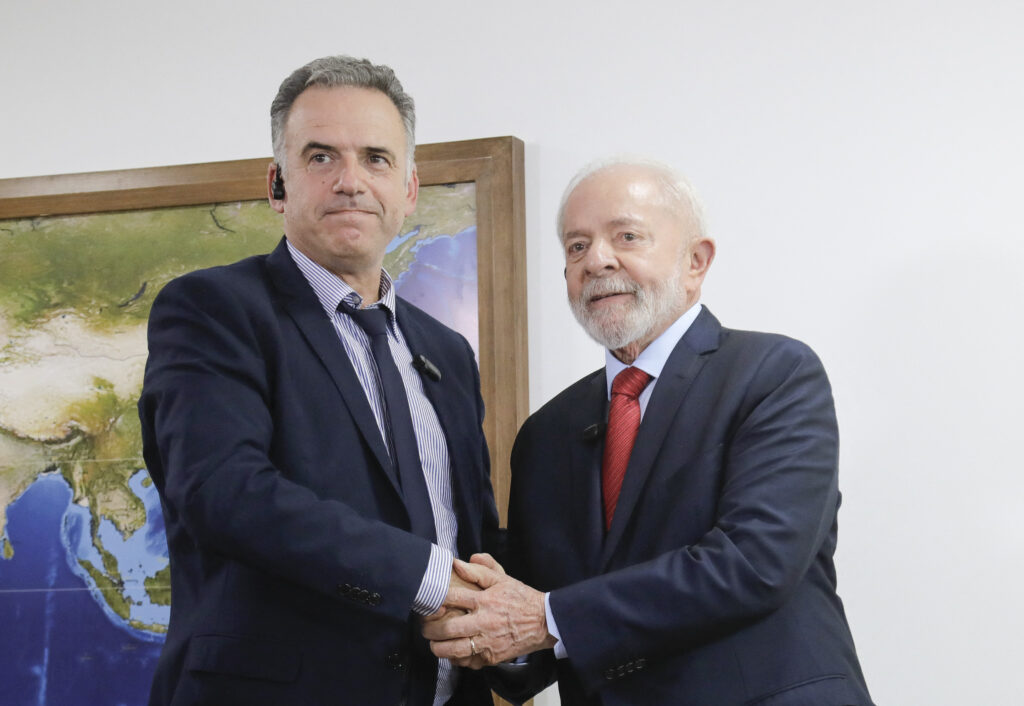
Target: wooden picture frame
column 494, row 165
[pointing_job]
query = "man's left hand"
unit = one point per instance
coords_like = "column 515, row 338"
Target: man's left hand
column 504, row 621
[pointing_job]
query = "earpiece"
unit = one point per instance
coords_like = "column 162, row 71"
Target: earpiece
column 277, row 187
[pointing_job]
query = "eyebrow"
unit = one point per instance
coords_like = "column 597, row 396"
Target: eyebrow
column 621, row 222
column 575, row 234
column 383, row 151
column 625, row 221
column 311, row 146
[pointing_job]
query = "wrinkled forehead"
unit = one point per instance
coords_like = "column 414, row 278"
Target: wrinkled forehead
column 637, row 182
column 619, row 193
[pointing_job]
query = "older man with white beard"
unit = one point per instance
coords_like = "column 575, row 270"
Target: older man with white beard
column 673, row 515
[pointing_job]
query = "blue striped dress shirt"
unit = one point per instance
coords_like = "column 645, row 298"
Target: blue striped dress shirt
column 430, row 439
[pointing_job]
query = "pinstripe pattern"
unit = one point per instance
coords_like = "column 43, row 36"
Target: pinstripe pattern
column 430, row 439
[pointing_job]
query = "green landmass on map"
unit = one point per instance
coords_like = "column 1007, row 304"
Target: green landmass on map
column 75, row 294
column 441, row 210
column 159, row 587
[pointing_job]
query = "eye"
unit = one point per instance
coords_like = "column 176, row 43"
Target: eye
column 320, row 158
column 575, row 247
column 378, row 160
column 629, row 237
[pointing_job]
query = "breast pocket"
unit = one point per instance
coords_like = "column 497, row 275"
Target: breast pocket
column 243, row 657
column 832, row 690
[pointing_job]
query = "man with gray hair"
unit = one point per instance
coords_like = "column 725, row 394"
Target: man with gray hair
column 316, row 440
column 675, row 511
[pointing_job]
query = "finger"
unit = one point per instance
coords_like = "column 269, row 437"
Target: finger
column 455, row 628
column 485, row 559
column 476, row 662
column 461, row 598
column 455, row 650
column 478, row 574
column 436, row 615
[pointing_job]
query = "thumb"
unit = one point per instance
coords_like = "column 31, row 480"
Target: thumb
column 477, row 573
column 485, row 559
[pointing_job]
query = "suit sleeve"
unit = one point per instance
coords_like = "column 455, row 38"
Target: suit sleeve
column 775, row 509
column 208, row 429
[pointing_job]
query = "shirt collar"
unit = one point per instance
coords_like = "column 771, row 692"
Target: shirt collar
column 331, row 290
column 652, row 358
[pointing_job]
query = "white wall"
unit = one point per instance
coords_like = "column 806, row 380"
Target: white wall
column 861, row 164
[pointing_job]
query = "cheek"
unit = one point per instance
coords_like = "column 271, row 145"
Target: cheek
column 573, row 282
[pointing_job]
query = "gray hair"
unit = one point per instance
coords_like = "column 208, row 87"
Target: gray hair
column 334, row 71
column 676, row 189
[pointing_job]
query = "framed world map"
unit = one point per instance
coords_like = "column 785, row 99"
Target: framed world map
column 84, row 577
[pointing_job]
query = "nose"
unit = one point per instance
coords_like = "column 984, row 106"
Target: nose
column 349, row 180
column 600, row 258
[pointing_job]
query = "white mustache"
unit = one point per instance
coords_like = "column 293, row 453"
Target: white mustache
column 606, row 287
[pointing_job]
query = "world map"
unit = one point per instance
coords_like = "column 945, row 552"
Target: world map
column 84, row 574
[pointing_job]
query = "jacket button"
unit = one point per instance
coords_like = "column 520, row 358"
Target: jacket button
column 375, row 599
column 344, row 589
column 394, row 661
column 609, row 673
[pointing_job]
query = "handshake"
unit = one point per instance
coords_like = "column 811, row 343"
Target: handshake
column 487, row 617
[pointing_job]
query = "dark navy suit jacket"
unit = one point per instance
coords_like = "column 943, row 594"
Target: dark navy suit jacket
column 292, row 566
column 715, row 585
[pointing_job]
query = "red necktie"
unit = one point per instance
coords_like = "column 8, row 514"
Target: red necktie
column 623, row 423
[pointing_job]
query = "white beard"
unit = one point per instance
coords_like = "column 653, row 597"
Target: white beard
column 649, row 308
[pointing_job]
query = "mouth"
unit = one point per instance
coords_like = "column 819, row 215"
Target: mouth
column 608, row 296
column 348, row 212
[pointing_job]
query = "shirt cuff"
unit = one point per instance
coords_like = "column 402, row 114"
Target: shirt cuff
column 434, row 586
column 560, row 652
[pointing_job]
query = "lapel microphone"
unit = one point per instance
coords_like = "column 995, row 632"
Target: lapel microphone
column 594, row 431
column 425, row 367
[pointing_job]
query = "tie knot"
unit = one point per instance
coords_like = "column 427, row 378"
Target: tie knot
column 630, row 382
column 374, row 320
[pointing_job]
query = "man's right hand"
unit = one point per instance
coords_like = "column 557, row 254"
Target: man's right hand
column 458, row 582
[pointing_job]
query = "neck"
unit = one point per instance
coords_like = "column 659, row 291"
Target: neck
column 367, row 285
column 630, row 352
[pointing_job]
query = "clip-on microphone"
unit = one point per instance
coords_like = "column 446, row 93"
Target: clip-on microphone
column 425, row 367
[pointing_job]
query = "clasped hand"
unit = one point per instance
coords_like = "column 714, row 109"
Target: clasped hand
column 487, row 617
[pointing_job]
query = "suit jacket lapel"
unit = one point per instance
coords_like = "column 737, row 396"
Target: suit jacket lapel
column 304, row 308
column 682, row 366
column 586, row 515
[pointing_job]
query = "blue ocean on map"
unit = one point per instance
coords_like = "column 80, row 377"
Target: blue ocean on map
column 59, row 644
column 442, row 280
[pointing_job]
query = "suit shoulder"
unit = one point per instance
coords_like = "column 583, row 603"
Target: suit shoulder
column 766, row 361
column 570, row 398
column 762, row 343
column 409, row 312
column 236, row 273
column 218, row 283
column 240, row 289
